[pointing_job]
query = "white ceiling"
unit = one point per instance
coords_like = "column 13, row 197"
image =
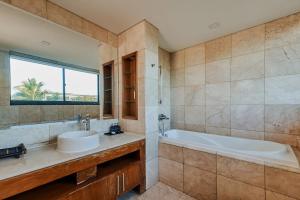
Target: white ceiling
column 64, row 45
column 182, row 23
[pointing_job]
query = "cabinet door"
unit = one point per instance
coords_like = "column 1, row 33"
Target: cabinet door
column 103, row 189
column 131, row 177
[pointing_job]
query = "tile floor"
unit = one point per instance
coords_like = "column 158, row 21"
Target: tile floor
column 159, row 191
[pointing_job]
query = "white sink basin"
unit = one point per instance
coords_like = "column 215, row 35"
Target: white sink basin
column 77, row 141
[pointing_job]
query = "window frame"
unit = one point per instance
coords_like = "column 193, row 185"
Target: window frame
column 63, row 66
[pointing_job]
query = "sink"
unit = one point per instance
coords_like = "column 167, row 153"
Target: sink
column 77, row 141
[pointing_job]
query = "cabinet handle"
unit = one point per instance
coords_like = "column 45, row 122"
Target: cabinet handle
column 123, row 182
column 118, row 185
column 134, row 94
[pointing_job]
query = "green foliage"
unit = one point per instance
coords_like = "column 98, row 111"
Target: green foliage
column 30, row 90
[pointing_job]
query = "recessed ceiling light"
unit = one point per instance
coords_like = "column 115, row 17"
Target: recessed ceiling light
column 213, row 26
column 45, row 43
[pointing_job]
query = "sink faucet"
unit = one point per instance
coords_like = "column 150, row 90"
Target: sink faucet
column 84, row 122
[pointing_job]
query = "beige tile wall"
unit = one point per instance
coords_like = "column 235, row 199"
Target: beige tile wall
column 59, row 15
column 246, row 84
column 207, row 176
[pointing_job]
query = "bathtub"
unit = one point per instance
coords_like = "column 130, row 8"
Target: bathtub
column 257, row 151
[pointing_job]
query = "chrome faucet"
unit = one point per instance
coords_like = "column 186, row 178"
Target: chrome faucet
column 161, row 119
column 85, row 123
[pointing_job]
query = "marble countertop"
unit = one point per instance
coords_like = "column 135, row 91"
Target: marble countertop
column 47, row 156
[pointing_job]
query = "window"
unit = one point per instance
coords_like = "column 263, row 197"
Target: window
column 38, row 81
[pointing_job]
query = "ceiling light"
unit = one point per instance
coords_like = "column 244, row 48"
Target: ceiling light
column 213, row 26
column 45, row 43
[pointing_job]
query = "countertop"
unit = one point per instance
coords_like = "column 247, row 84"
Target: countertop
column 46, row 156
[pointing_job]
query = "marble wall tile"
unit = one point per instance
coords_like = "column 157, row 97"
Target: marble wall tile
column 248, row 134
column 135, row 38
column 283, row 182
column 282, row 119
column 248, row 41
column 243, row 171
column 177, row 114
column 218, row 71
column 231, row 189
column 151, row 123
column 250, row 66
column 200, row 184
column 218, row 116
column 151, row 37
column 283, row 31
column 151, row 92
column 283, row 60
column 177, row 59
column 56, row 129
column 9, row 115
column 195, row 118
column 282, row 138
column 177, row 96
column 283, row 90
column 30, row 135
column 202, row 160
column 218, row 49
column 35, row 7
column 64, row 17
column 248, row 92
column 218, row 94
column 151, row 145
column 195, row 55
column 171, row 173
column 217, row 130
column 151, row 172
column 112, row 39
column 5, row 96
column 68, row 111
column 194, row 95
column 4, row 77
column 177, row 77
column 29, row 114
column 49, row 113
column 195, row 75
column 247, row 117
column 170, row 152
column 151, row 65
column 275, row 196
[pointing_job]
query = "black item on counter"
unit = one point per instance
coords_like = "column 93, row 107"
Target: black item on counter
column 114, row 129
column 13, row 151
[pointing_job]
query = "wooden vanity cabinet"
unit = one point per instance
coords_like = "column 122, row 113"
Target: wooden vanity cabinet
column 119, row 170
column 102, row 189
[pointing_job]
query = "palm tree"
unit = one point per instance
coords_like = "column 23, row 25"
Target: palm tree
column 31, row 90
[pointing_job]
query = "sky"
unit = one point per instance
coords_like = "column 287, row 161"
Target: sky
column 76, row 82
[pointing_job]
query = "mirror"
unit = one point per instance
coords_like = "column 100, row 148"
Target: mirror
column 50, row 73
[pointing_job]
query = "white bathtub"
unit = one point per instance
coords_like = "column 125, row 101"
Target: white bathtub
column 258, row 151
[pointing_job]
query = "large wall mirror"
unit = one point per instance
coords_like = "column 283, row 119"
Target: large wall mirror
column 49, row 73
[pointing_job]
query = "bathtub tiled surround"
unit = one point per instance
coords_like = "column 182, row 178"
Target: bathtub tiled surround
column 246, row 84
column 207, row 176
column 42, row 134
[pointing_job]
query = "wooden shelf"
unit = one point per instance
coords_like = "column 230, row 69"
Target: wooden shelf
column 108, row 88
column 130, row 103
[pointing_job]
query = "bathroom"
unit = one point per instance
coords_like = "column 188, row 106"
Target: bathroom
column 99, row 103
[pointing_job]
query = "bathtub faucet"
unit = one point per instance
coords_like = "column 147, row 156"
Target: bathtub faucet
column 161, row 119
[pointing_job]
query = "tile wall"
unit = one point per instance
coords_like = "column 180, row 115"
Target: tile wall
column 246, row 84
column 207, row 176
column 42, row 134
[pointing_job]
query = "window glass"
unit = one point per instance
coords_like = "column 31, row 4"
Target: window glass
column 81, row 86
column 35, row 82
